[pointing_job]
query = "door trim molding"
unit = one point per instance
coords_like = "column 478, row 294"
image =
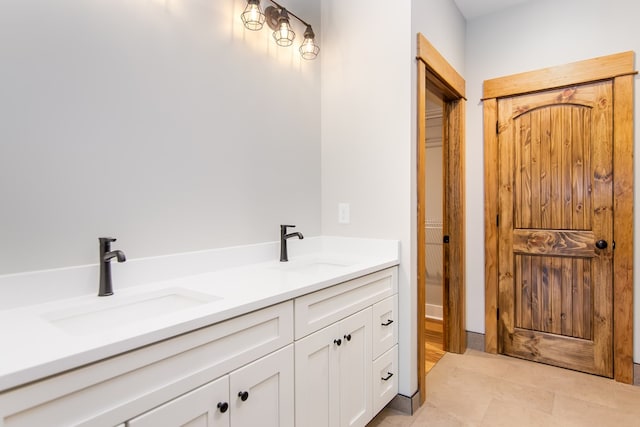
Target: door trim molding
column 432, row 67
column 619, row 69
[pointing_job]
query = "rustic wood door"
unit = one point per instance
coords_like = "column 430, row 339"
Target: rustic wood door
column 555, row 227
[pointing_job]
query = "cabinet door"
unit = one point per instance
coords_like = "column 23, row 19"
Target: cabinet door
column 198, row 408
column 262, row 392
column 385, row 325
column 317, row 388
column 355, row 359
column 385, row 379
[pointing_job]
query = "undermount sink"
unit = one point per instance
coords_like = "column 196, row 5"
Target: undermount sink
column 116, row 311
column 314, row 266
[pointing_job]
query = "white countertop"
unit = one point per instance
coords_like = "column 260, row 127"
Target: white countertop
column 34, row 346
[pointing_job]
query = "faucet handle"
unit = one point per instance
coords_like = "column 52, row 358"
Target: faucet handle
column 284, row 227
column 107, row 239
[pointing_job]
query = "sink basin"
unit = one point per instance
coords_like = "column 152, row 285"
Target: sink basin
column 116, row 311
column 316, row 267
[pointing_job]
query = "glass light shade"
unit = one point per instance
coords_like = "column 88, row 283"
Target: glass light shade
column 252, row 17
column 309, row 49
column 284, row 35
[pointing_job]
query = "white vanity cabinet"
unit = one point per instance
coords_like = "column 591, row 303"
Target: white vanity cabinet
column 260, row 393
column 325, row 358
column 251, row 353
column 345, row 336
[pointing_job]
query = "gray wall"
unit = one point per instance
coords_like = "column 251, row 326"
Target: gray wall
column 366, row 122
column 160, row 122
column 368, row 130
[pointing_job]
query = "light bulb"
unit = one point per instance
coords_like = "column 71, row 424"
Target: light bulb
column 309, row 49
column 284, row 35
column 252, row 17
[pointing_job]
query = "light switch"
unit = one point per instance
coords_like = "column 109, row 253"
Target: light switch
column 343, row 213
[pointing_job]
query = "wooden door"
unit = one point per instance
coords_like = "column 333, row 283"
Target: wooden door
column 555, row 203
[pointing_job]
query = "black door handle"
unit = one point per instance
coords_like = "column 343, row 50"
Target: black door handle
column 601, row 244
column 389, row 375
column 347, row 337
column 243, row 395
column 223, row 406
column 337, row 342
column 387, row 323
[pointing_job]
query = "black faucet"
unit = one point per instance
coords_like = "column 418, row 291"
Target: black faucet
column 284, row 256
column 106, row 255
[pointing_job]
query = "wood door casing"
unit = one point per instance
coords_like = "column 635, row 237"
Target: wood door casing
column 433, row 67
column 619, row 68
column 555, row 201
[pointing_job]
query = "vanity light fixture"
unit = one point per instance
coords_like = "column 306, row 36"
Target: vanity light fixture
column 277, row 18
column 283, row 34
column 253, row 17
column 309, row 49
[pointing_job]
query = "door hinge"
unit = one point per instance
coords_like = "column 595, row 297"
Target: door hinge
column 497, row 127
column 498, row 313
column 613, row 245
column 497, row 220
column 445, row 239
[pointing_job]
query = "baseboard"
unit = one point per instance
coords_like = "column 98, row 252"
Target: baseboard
column 475, row 341
column 406, row 405
column 433, row 311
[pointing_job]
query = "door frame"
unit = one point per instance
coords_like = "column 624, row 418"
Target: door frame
column 619, row 68
column 434, row 68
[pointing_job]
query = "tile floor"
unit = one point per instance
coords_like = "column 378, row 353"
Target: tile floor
column 481, row 389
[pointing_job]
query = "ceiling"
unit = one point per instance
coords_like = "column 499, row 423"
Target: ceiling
column 474, row 8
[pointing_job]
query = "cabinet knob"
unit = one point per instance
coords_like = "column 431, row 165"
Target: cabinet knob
column 347, row 337
column 387, row 323
column 337, row 342
column 223, row 406
column 601, row 244
column 243, row 395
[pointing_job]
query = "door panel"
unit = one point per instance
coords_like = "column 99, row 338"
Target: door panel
column 197, row 408
column 356, row 400
column 317, row 390
column 555, row 202
column 268, row 384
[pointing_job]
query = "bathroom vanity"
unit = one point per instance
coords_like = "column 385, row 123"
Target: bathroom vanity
column 311, row 342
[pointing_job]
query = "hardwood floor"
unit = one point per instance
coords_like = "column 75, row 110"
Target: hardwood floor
column 433, row 342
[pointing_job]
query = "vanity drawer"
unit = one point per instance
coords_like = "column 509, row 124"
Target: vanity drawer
column 385, row 379
column 385, row 325
column 322, row 308
column 121, row 387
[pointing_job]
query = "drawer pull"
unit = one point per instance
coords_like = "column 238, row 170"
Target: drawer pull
column 338, row 342
column 347, row 337
column 223, row 406
column 243, row 395
column 389, row 375
column 387, row 323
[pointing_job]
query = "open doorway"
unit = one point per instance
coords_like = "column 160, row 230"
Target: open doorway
column 434, row 209
column 448, row 90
